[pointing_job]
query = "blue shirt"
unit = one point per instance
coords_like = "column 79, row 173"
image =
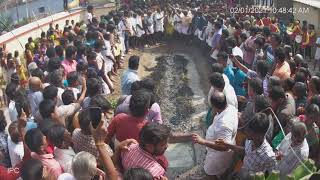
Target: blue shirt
column 228, row 71
column 128, row 77
column 35, row 99
column 239, row 79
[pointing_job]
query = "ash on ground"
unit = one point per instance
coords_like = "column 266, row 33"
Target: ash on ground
column 173, row 92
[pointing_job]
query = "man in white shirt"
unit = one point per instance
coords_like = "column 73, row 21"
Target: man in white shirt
column 90, row 15
column 218, row 84
column 15, row 144
column 224, row 126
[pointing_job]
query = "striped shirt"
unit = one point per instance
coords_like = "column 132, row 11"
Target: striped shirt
column 136, row 157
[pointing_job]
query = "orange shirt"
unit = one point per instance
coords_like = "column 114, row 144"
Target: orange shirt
column 282, row 71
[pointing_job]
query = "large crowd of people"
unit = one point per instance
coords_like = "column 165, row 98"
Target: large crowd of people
column 263, row 103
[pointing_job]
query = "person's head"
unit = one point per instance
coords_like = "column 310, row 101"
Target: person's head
column 275, row 40
column 253, row 31
column 134, row 62
column 312, row 113
column 50, row 92
column 154, row 138
column 298, row 59
column 101, row 102
column 259, row 42
column 299, row 90
column 11, row 90
column 47, row 108
column 218, row 101
column 36, row 141
column 92, row 58
column 262, row 68
column 59, row 50
column 73, row 79
column 84, row 166
column 93, row 87
column 314, row 85
column 223, row 58
column 53, row 64
column 216, row 67
column 288, row 84
column 148, row 84
column 98, row 45
column 232, row 42
column 56, row 78
column 84, row 120
column 277, row 96
column 38, row 73
column 139, row 103
column 225, row 33
column 279, row 55
column 257, row 127
column 71, row 53
column 298, row 133
column 55, row 135
column 90, row 8
column 35, row 84
column 266, row 31
column 217, row 81
column 32, row 169
column 51, row 52
column 300, row 77
column 137, row 174
column 82, row 67
column 261, row 104
column 243, row 37
column 217, row 25
column 67, row 22
column 15, row 78
column 3, row 121
column 255, row 87
column 273, row 81
column 68, row 97
column 14, row 133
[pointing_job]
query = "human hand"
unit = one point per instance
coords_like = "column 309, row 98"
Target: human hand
column 126, row 143
column 197, row 139
column 161, row 178
column 279, row 155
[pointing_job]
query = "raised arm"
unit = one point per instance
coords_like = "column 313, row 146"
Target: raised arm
column 239, row 64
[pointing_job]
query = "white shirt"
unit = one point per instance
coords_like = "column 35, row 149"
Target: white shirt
column 226, row 82
column 60, row 92
column 224, row 127
column 13, row 111
column 289, row 161
column 89, row 18
column 64, row 157
column 231, row 96
column 16, row 151
column 66, row 176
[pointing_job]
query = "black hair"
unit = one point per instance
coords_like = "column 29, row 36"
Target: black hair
column 277, row 37
column 259, row 41
column 91, row 56
column 276, row 93
column 300, row 77
column 148, row 84
column 262, row 68
column 261, row 103
column 135, row 86
column 84, row 119
column 288, row 84
column 259, row 123
column 274, row 81
column 34, row 139
column 101, row 102
column 37, row 73
column 139, row 103
column 225, row 33
column 68, row 97
column 134, row 62
column 70, row 51
column 137, row 174
column 53, row 64
column 55, row 78
column 51, row 52
column 99, row 44
column 217, row 67
column 93, row 86
column 45, row 124
column 82, row 66
column 11, row 90
column 32, row 169
column 46, row 108
column 315, row 80
column 280, row 54
column 50, row 92
column 232, row 42
column 3, row 121
column 59, row 50
column 216, row 80
column 312, row 109
column 55, row 134
column 218, row 100
column 153, row 133
column 72, row 78
column 15, row 78
column 300, row 89
column 223, row 55
column 256, row 85
column 266, row 31
column 22, row 102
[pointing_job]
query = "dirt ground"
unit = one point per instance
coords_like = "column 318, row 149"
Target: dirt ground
column 148, row 62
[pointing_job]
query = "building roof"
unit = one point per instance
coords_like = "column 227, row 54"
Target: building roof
column 313, row 3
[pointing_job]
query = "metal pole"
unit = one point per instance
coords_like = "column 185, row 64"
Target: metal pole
column 27, row 10
column 17, row 10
